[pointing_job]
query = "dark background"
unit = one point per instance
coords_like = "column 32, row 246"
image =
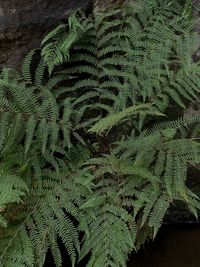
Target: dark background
column 176, row 245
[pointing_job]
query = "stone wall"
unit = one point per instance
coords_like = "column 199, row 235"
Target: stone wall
column 23, row 24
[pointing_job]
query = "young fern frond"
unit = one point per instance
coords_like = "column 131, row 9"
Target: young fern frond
column 114, row 119
column 57, row 43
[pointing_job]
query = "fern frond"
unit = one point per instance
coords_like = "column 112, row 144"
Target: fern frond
column 26, row 66
column 113, row 119
column 109, row 239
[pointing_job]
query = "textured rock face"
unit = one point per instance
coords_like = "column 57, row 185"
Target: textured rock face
column 23, row 24
column 196, row 5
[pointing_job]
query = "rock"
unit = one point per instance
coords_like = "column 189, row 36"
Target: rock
column 100, row 5
column 24, row 23
column 196, row 12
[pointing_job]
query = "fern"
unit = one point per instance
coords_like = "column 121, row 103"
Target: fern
column 91, row 156
column 13, row 189
column 33, row 106
column 114, row 119
column 56, row 48
column 47, row 217
column 111, row 230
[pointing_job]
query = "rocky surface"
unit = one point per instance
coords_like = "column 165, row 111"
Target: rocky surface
column 23, row 24
column 196, row 11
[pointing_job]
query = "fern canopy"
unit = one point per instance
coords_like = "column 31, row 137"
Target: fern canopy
column 98, row 133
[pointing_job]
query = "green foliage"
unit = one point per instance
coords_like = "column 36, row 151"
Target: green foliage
column 59, row 41
column 48, row 213
column 91, row 155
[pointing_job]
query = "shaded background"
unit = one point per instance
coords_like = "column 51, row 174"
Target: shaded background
column 176, row 245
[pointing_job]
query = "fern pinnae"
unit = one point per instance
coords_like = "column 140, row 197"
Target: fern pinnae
column 54, row 130
column 4, row 129
column 88, row 69
column 104, row 27
column 180, row 177
column 160, row 163
column 30, row 130
column 184, row 93
column 169, row 174
column 43, row 131
column 111, row 120
column 6, row 105
column 39, row 73
column 85, row 137
column 147, row 208
column 55, row 249
column 53, row 33
column 26, row 66
column 158, row 213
